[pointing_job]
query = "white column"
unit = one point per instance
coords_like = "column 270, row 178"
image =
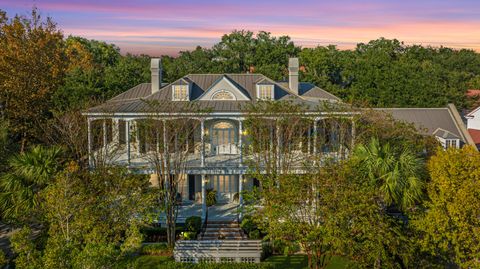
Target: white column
column 137, row 136
column 105, row 138
column 127, row 139
column 202, row 139
column 240, row 190
column 279, row 161
column 115, row 132
column 240, row 142
column 90, row 140
column 315, row 135
column 204, row 197
column 354, row 133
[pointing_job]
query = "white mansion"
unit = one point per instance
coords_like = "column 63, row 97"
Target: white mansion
column 216, row 159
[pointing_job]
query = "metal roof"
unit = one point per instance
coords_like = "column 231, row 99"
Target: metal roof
column 139, row 98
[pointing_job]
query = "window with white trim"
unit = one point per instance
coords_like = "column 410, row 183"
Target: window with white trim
column 265, row 92
column 180, row 93
column 451, row 143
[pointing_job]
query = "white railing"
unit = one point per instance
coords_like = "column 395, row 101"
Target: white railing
column 227, row 149
column 196, row 251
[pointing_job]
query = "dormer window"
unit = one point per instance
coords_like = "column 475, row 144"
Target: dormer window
column 265, row 92
column 180, row 93
column 452, row 143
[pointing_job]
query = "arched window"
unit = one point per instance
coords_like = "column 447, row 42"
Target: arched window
column 223, row 95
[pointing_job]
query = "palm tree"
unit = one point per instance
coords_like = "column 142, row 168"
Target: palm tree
column 395, row 171
column 29, row 173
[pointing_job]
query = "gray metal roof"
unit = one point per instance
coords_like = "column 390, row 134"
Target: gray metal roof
column 428, row 120
column 445, row 134
column 139, row 98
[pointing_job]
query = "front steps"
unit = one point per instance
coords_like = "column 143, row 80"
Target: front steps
column 222, row 230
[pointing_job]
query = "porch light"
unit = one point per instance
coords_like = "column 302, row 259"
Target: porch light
column 244, row 132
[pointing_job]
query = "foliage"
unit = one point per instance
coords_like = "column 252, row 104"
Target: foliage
column 211, row 198
column 396, row 172
column 3, row 259
column 248, row 224
column 29, row 173
column 449, row 227
column 193, row 224
column 92, row 217
column 158, row 234
column 27, row 254
column 32, row 66
column 158, row 249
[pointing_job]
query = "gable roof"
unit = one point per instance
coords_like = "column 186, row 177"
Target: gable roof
column 136, row 99
column 445, row 134
column 235, row 85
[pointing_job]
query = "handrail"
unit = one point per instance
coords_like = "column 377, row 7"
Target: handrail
column 204, row 225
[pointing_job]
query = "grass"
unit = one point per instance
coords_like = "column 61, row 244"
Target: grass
column 301, row 262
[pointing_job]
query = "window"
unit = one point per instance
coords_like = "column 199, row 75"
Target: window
column 223, row 95
column 265, row 92
column 451, row 143
column 180, row 93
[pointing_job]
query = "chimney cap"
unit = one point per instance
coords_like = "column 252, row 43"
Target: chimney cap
column 293, row 64
column 155, row 63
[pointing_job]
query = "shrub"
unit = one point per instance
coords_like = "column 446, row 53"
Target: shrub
column 3, row 259
column 248, row 225
column 255, row 234
column 157, row 249
column 193, row 224
column 189, row 235
column 211, row 197
column 158, row 234
column 176, row 265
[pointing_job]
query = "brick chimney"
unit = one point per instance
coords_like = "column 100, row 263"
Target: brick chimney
column 293, row 74
column 156, row 73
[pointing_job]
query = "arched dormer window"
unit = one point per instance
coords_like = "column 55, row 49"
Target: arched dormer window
column 223, row 95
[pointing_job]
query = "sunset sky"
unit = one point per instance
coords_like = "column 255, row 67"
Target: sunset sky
column 166, row 27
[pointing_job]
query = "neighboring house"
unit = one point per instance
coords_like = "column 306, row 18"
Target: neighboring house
column 473, row 125
column 216, row 154
column 445, row 123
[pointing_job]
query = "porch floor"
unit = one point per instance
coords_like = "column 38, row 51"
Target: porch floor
column 220, row 212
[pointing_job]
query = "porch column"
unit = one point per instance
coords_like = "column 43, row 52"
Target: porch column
column 354, row 133
column 127, row 139
column 315, row 136
column 115, row 132
column 105, row 138
column 137, row 136
column 204, row 197
column 240, row 195
column 202, row 164
column 90, row 140
column 240, row 142
column 202, row 139
column 279, row 141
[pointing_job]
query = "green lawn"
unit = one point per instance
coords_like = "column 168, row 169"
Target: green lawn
column 301, row 262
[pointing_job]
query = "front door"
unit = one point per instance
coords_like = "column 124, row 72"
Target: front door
column 226, row 187
column 223, row 138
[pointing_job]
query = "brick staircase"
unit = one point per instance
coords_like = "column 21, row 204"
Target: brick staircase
column 222, row 230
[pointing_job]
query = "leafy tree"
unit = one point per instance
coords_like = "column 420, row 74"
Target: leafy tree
column 32, row 66
column 450, row 225
column 27, row 255
column 29, row 173
column 396, row 172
